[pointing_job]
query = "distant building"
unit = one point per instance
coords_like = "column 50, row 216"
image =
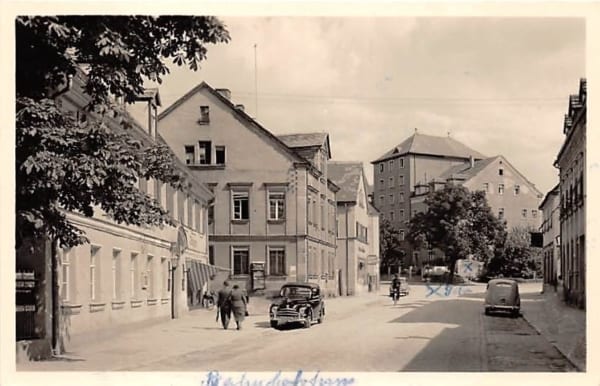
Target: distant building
column 126, row 275
column 550, row 229
column 571, row 163
column 399, row 173
column 357, row 229
column 273, row 217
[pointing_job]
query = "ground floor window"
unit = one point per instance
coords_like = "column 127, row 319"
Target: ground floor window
column 240, row 260
column 276, row 261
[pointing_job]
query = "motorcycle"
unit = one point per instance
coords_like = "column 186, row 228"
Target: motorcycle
column 395, row 294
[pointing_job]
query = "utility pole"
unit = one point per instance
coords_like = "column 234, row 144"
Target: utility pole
column 255, row 85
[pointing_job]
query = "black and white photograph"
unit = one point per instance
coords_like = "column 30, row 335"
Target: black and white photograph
column 297, row 198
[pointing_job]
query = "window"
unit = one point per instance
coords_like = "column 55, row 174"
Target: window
column 381, row 166
column 322, row 213
column 204, row 117
column 401, row 214
column 486, row 187
column 401, row 197
column 276, row 205
column 391, row 182
column 240, row 261
column 211, row 254
column 401, row 160
column 220, row 155
column 164, row 267
column 65, row 279
column 276, row 261
column 392, row 216
column 116, row 274
column 323, row 262
column 240, row 205
column 170, row 200
column 391, row 198
column 401, row 234
column 149, row 276
column 158, row 191
column 94, row 273
column 500, row 172
column 381, row 200
column 391, row 165
column 524, row 213
column 211, row 213
column 534, row 213
column 381, row 183
column 500, row 189
column 204, row 152
column 517, row 190
column 190, row 155
column 190, row 211
column 500, row 213
column 133, row 277
column 401, row 180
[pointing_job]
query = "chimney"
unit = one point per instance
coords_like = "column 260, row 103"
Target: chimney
column 471, row 161
column 225, row 93
column 240, row 107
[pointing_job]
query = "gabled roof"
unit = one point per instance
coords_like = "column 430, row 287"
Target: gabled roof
column 239, row 113
column 431, row 145
column 465, row 172
column 306, row 140
column 372, row 211
column 553, row 192
column 346, row 175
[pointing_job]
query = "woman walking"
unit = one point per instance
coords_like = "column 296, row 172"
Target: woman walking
column 238, row 305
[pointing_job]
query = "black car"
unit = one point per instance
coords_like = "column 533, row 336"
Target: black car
column 298, row 303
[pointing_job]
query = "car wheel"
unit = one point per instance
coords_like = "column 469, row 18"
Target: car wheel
column 308, row 320
column 273, row 323
column 515, row 313
column 321, row 316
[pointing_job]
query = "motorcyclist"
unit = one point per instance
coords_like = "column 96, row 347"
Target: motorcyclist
column 396, row 282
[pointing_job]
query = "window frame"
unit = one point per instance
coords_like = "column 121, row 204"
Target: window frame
column 270, row 270
column 116, row 273
column 276, row 197
column 204, row 115
column 500, row 189
column 241, row 195
column 240, row 248
column 94, row 271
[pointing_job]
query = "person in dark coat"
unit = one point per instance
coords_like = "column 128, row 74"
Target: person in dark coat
column 224, row 304
column 238, row 305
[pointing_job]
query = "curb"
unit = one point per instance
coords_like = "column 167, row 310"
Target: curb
column 561, row 351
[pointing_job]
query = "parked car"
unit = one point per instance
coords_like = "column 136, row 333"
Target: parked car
column 404, row 287
column 502, row 295
column 298, row 303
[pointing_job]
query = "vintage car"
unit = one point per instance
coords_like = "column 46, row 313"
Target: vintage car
column 502, row 295
column 298, row 303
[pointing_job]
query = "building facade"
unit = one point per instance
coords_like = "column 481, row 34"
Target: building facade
column 273, row 216
column 550, row 208
column 571, row 163
column 126, row 275
column 418, row 160
column 357, row 230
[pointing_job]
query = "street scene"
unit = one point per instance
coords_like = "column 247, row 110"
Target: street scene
column 306, row 197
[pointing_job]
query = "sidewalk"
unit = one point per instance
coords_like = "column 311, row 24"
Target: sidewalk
column 562, row 325
column 195, row 331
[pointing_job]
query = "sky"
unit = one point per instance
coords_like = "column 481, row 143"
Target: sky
column 499, row 85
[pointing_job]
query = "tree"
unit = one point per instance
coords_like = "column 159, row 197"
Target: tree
column 64, row 165
column 458, row 222
column 517, row 258
column 389, row 245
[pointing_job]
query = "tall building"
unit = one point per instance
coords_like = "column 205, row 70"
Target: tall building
column 571, row 164
column 397, row 174
column 550, row 229
column 125, row 275
column 273, row 217
column 357, row 229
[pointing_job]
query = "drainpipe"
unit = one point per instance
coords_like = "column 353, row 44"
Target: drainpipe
column 347, row 247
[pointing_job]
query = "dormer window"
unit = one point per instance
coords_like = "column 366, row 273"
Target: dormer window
column 204, row 117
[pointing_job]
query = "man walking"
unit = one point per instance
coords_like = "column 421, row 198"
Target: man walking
column 224, row 304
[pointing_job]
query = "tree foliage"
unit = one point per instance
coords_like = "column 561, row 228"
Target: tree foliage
column 389, row 245
column 65, row 165
column 517, row 258
column 458, row 222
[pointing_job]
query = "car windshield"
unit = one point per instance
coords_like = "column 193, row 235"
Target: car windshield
column 295, row 292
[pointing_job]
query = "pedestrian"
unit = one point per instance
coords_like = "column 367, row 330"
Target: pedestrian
column 224, row 304
column 238, row 305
